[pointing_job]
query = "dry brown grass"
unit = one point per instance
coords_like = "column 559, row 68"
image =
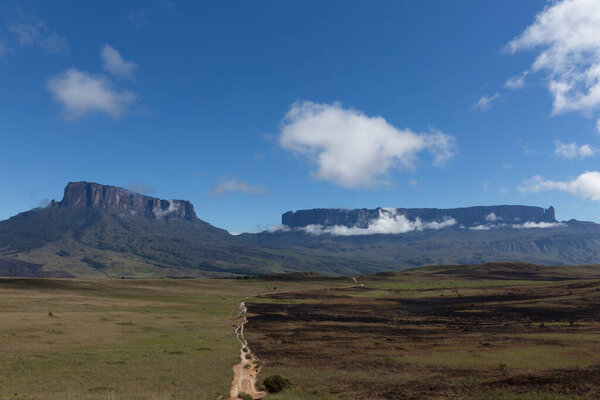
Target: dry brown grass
column 473, row 341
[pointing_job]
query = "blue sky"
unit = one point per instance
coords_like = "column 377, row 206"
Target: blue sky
column 250, row 109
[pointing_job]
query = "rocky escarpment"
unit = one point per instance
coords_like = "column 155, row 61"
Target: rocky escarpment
column 95, row 195
column 467, row 216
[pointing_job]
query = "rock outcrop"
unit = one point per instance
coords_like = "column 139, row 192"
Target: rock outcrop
column 467, row 217
column 95, row 195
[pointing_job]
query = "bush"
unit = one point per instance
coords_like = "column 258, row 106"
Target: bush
column 276, row 383
column 244, row 396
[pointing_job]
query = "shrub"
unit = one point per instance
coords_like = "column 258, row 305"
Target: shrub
column 276, row 383
column 244, row 396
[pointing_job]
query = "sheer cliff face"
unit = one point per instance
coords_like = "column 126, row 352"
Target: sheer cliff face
column 468, row 216
column 94, row 195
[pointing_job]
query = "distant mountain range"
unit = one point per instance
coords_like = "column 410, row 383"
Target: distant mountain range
column 105, row 231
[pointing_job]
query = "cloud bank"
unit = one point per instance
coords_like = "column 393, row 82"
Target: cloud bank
column 586, row 185
column 113, row 62
column 236, row 186
column 525, row 225
column 81, row 93
column 353, row 150
column 573, row 150
column 388, row 222
column 566, row 35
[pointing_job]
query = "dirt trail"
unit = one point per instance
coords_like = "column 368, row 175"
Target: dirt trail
column 246, row 372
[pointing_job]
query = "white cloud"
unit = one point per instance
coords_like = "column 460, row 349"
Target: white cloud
column 160, row 213
column 81, row 93
column 30, row 30
column 235, row 185
column 586, row 185
column 525, row 225
column 388, row 222
column 279, row 228
column 516, row 82
column 115, row 64
column 540, row 225
column 572, row 150
column 491, row 217
column 352, row 149
column 485, row 102
column 567, row 35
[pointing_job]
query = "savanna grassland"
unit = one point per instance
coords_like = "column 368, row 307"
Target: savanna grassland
column 499, row 331
column 122, row 339
column 510, row 331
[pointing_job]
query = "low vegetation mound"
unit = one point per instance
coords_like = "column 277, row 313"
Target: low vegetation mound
column 276, row 383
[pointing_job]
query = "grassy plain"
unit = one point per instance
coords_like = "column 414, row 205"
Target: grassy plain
column 122, row 339
column 505, row 331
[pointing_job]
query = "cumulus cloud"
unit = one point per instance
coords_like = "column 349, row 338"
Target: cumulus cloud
column 236, row 186
column 491, row 217
column 388, row 222
column 586, row 185
column 30, row 30
column 572, row 150
column 485, row 102
column 566, row 35
column 81, row 93
column 113, row 62
column 160, row 213
column 352, row 149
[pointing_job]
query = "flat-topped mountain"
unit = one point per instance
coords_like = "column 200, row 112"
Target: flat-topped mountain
column 95, row 195
column 465, row 217
column 106, row 231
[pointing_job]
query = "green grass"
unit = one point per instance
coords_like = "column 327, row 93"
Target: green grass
column 121, row 339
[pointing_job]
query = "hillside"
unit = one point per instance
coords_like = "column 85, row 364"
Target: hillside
column 569, row 243
column 105, row 231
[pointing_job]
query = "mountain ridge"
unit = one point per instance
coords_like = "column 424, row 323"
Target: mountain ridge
column 465, row 216
column 105, row 231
